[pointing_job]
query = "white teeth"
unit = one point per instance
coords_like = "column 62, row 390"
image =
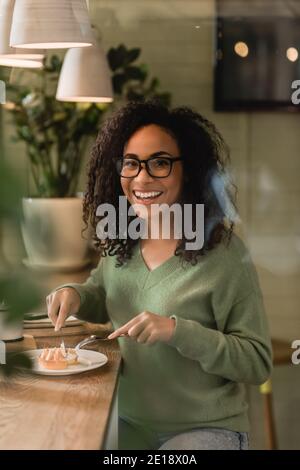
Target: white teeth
column 144, row 195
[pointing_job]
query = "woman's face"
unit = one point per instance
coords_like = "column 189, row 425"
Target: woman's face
column 144, row 143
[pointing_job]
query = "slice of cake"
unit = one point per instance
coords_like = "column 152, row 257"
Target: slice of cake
column 58, row 358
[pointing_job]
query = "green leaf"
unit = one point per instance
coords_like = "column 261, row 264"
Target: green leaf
column 112, row 59
column 135, row 73
column 117, row 57
column 132, row 95
column 25, row 133
column 164, row 98
column 154, row 84
column 133, row 54
column 56, row 63
column 144, row 68
column 19, row 293
column 118, row 81
column 60, row 116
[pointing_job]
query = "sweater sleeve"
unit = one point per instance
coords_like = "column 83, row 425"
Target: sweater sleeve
column 239, row 349
column 92, row 297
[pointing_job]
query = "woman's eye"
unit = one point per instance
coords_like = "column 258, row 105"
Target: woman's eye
column 161, row 163
column 130, row 164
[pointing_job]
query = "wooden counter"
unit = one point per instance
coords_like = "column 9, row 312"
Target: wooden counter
column 69, row 412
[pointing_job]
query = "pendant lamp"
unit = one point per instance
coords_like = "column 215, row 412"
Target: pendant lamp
column 85, row 76
column 50, row 24
column 10, row 56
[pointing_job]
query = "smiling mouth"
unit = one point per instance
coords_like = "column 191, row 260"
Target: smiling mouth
column 147, row 195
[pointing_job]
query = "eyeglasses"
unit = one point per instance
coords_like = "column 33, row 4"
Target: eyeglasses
column 158, row 167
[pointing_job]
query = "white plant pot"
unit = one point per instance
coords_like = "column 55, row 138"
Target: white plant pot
column 12, row 331
column 52, row 236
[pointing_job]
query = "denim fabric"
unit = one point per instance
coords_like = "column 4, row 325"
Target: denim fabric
column 206, row 439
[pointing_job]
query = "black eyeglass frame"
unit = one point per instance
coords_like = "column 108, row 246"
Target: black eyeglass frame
column 170, row 160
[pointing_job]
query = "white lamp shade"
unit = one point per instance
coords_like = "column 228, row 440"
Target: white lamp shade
column 19, row 62
column 10, row 56
column 85, row 76
column 50, row 24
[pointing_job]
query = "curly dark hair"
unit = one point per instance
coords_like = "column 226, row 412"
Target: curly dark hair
column 205, row 157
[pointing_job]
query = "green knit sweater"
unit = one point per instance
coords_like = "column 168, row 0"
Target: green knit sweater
column 220, row 342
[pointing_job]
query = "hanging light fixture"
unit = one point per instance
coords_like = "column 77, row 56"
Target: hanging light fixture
column 10, row 56
column 85, row 76
column 50, row 24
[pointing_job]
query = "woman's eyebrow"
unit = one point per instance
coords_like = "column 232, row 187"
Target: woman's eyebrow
column 155, row 154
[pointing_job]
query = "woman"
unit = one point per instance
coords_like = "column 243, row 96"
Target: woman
column 192, row 321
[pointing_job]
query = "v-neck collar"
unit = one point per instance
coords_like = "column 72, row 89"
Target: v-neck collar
column 147, row 278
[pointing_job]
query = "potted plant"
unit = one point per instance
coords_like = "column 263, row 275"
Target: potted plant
column 18, row 293
column 56, row 135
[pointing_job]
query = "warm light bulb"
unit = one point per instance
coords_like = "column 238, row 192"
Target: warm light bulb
column 55, row 45
column 292, row 54
column 241, row 49
column 25, row 63
column 86, row 99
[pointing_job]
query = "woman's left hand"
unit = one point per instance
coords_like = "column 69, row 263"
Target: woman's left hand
column 147, row 328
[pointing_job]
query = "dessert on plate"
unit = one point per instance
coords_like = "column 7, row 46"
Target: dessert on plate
column 58, row 358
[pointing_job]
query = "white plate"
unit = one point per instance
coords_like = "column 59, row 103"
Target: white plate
column 98, row 360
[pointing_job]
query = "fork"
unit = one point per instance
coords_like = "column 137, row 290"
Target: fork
column 92, row 339
column 62, row 344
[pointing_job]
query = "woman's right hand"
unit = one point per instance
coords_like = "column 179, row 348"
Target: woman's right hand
column 61, row 304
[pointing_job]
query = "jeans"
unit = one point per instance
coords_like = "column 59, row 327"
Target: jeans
column 134, row 437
